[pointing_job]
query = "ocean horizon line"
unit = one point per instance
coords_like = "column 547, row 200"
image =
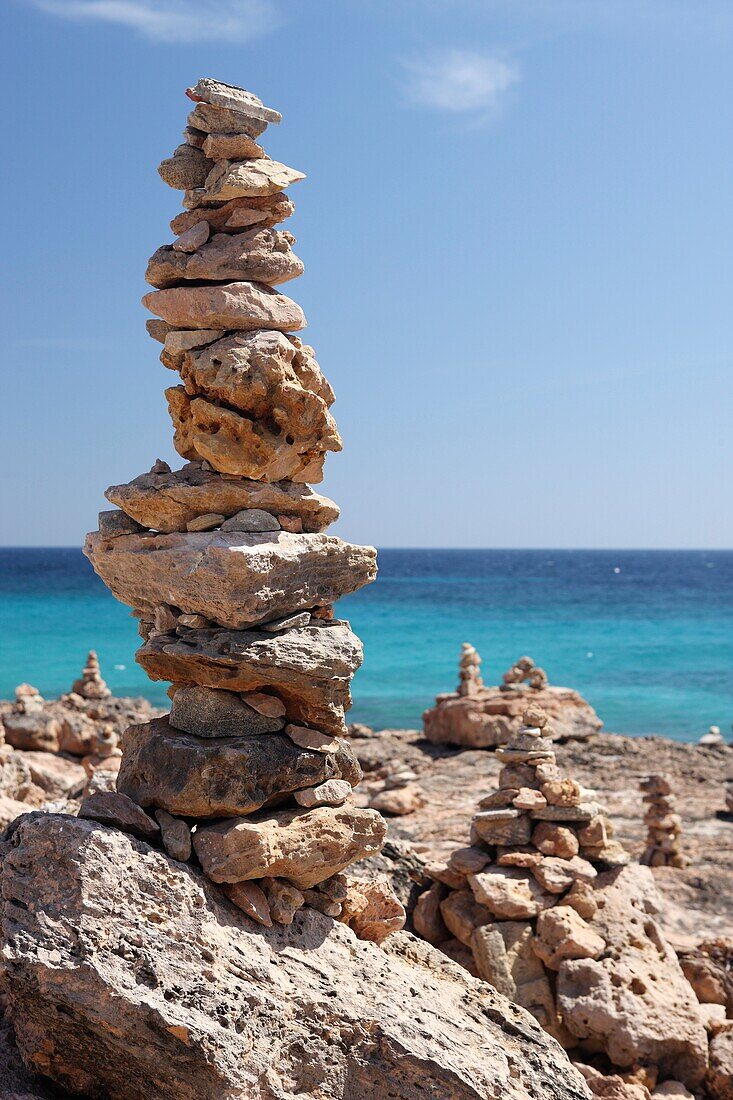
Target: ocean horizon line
column 485, row 549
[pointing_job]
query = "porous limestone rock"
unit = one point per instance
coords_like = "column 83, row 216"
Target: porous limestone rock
column 719, row 1078
column 236, row 580
column 233, row 305
column 633, row 1001
column 255, row 255
column 308, row 668
column 248, row 178
column 122, row 942
column 303, row 847
column 217, row 777
column 230, row 97
column 167, row 501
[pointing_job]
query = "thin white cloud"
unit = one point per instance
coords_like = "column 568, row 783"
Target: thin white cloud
column 174, row 21
column 460, row 81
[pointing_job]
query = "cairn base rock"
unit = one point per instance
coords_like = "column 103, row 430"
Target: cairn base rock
column 131, row 977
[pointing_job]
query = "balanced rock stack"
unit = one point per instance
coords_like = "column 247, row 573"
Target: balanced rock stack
column 90, row 684
column 480, row 717
column 515, row 904
column 469, row 671
column 225, row 562
column 524, row 670
column 663, row 846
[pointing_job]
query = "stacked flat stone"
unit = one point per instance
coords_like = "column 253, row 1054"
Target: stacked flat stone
column 516, row 903
column 225, row 562
column 663, row 846
column 469, row 671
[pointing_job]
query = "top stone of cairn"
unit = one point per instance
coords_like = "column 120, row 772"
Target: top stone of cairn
column 218, row 94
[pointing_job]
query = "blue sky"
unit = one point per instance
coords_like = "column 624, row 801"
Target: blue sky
column 517, row 228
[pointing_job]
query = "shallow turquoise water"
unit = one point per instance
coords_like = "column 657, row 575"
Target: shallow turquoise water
column 645, row 636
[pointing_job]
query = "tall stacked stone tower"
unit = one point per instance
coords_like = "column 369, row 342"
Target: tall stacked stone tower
column 224, row 562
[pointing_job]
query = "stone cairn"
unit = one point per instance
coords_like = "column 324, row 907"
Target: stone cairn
column 90, row 685
column 524, row 671
column 469, row 671
column 225, row 563
column 663, row 846
column 516, row 903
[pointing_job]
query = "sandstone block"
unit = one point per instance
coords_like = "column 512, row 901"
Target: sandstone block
column 236, row 580
column 265, row 211
column 166, row 502
column 248, row 178
column 563, row 934
column 235, row 305
column 303, row 847
column 218, row 777
column 462, row 914
column 187, row 168
column 504, row 827
column 213, row 119
column 254, row 255
column 509, row 894
column 333, row 792
column 176, row 836
column 232, row 98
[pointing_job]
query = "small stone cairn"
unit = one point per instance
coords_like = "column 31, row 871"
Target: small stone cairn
column 516, row 903
column 469, row 671
column 663, row 846
column 91, row 685
column 225, row 563
column 481, row 717
column 524, row 671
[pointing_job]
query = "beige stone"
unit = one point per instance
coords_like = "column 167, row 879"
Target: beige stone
column 427, row 919
column 166, row 502
column 187, row 168
column 248, row 897
column 503, row 826
column 563, row 934
column 236, row 580
column 509, row 894
column 461, row 914
column 176, row 836
column 283, row 898
column 234, row 305
column 558, row 875
column 116, row 809
column 213, row 119
column 371, row 909
column 247, row 178
column 231, row 147
column 333, row 792
column 398, row 802
column 260, row 255
column 555, row 840
column 308, row 738
column 305, row 848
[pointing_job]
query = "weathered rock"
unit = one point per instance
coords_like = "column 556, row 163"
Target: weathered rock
column 213, row 119
column 176, row 836
column 187, row 168
column 563, row 934
column 398, row 802
column 248, row 178
column 235, row 305
column 259, row 255
column 231, row 147
column 462, row 914
column 74, row 1015
column 16, row 779
column 116, row 809
column 114, row 522
column 194, row 237
column 265, row 211
column 10, row 809
column 633, row 1002
column 509, row 894
column 503, row 826
column 236, row 580
column 309, row 668
column 709, row 970
column 208, row 712
column 251, row 520
column 32, row 731
column 217, row 777
column 427, row 918
column 180, row 341
column 56, row 775
column 305, row 848
column 333, row 792
column 371, row 909
column 504, row 957
column 719, row 1078
column 166, row 502
column 248, row 897
column 229, row 96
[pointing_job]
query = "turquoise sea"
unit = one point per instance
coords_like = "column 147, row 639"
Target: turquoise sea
column 646, row 636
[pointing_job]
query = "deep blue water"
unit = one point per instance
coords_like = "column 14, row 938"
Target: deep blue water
column 646, row 636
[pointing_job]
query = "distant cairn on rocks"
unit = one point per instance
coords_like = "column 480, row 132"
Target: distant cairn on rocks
column 225, row 563
column 90, row 684
column 478, row 716
column 545, row 906
column 664, row 845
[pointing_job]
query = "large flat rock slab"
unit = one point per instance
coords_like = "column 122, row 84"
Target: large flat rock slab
column 199, row 777
column 131, row 977
column 491, row 716
column 309, row 668
column 235, row 305
column 261, row 255
column 166, row 501
column 233, row 579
